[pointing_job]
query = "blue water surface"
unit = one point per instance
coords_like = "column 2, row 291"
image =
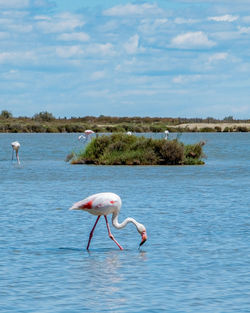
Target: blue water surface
column 197, row 255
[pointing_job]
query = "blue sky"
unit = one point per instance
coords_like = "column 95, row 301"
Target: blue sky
column 182, row 58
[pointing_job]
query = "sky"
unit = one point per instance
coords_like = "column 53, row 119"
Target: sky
column 166, row 58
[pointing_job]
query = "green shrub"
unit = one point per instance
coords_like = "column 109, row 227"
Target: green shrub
column 218, row 129
column 5, row 114
column 16, row 128
column 241, row 129
column 194, row 153
column 121, row 149
column 44, row 116
column 207, row 130
column 171, row 152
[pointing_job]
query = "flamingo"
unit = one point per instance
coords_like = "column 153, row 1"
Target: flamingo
column 15, row 146
column 107, row 203
column 87, row 133
column 82, row 137
column 166, row 134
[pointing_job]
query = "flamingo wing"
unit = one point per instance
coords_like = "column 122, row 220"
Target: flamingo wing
column 101, row 203
column 83, row 204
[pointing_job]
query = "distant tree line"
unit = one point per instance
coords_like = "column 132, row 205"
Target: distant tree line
column 46, row 116
column 46, row 122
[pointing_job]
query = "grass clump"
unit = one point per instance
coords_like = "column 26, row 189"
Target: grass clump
column 121, row 149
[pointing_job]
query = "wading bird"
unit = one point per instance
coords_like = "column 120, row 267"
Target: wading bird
column 86, row 135
column 82, row 137
column 108, row 203
column 129, row 133
column 166, row 134
column 88, row 132
column 15, row 146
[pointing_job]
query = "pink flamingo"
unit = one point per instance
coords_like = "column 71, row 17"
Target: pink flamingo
column 15, row 146
column 87, row 133
column 108, row 203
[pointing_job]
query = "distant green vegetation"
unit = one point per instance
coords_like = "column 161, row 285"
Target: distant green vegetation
column 45, row 122
column 121, row 149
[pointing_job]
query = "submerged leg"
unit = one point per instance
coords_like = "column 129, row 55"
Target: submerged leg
column 92, row 231
column 17, row 157
column 110, row 235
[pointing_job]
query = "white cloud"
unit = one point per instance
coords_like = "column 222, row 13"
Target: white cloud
column 16, row 57
column 160, row 21
column 60, row 23
column 125, row 65
column 20, row 28
column 226, row 35
column 244, row 30
column 182, row 79
column 133, row 9
column 4, row 35
column 97, row 75
column 132, row 45
column 223, row 18
column 14, row 4
column 43, row 3
column 10, row 75
column 180, row 20
column 217, row 57
column 149, row 26
column 42, row 18
column 101, row 93
column 76, row 36
column 14, row 14
column 192, row 40
column 15, row 21
column 136, row 92
column 106, row 49
column 69, row 51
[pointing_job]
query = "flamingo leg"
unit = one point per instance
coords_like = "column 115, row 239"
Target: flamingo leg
column 17, row 157
column 12, row 155
column 110, row 235
column 92, row 231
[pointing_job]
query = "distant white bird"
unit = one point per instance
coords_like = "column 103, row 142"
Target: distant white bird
column 129, row 133
column 108, row 203
column 166, row 134
column 87, row 134
column 83, row 137
column 15, row 146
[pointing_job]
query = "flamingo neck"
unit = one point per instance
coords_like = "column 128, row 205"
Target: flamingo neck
column 118, row 225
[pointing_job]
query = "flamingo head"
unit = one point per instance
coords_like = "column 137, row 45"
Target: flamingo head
column 142, row 231
column 143, row 237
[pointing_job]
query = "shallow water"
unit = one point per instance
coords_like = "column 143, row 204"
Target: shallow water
column 196, row 258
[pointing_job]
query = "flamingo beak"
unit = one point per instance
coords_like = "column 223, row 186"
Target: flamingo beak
column 143, row 237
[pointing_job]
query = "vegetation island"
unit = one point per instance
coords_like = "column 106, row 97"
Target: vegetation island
column 124, row 149
column 45, row 122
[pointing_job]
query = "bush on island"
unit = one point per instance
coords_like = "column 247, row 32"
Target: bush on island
column 121, row 149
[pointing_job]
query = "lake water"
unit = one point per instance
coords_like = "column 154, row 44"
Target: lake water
column 196, row 259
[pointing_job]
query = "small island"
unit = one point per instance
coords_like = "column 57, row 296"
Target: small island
column 122, row 149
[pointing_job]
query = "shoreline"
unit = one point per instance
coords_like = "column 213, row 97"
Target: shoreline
column 120, row 125
column 222, row 125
